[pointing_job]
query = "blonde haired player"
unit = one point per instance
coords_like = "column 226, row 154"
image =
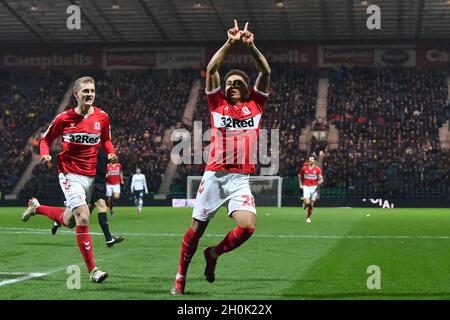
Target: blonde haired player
column 83, row 129
column 309, row 179
column 235, row 116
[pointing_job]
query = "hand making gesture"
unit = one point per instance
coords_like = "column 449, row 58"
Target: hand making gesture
column 246, row 36
column 234, row 34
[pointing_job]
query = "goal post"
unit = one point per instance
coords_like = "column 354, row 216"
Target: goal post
column 267, row 190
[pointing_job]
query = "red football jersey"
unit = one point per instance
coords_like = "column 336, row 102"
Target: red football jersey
column 113, row 173
column 310, row 176
column 81, row 138
column 235, row 132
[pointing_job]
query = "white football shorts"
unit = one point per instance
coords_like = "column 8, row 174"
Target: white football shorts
column 112, row 188
column 77, row 189
column 218, row 188
column 310, row 192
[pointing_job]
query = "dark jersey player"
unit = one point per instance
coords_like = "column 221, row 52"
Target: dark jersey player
column 235, row 121
column 98, row 201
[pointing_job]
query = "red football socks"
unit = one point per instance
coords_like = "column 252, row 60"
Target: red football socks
column 85, row 245
column 310, row 209
column 54, row 213
column 188, row 248
column 234, row 239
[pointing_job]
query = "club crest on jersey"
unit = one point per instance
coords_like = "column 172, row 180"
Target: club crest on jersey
column 226, row 108
column 205, row 213
column 246, row 111
column 97, row 126
column 72, row 125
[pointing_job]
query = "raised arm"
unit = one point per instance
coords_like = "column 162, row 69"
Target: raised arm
column 212, row 70
column 263, row 81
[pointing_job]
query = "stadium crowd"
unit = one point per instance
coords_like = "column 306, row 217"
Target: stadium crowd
column 27, row 102
column 389, row 140
column 388, row 120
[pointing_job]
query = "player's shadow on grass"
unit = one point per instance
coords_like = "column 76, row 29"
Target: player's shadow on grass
column 145, row 288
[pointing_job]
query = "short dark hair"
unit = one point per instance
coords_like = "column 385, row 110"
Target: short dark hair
column 239, row 73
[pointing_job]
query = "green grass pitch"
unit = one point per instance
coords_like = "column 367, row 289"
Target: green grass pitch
column 285, row 259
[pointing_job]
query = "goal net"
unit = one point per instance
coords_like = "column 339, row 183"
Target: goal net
column 266, row 189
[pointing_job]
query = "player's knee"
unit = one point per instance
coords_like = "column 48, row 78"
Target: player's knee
column 82, row 216
column 247, row 221
column 84, row 221
column 199, row 227
column 101, row 205
column 70, row 224
column 244, row 218
column 249, row 225
column 102, row 208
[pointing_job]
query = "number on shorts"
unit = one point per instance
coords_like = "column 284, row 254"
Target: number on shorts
column 66, row 184
column 249, row 201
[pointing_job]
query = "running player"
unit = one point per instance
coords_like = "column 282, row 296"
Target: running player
column 138, row 187
column 235, row 120
column 114, row 178
column 309, row 178
column 83, row 129
column 98, row 201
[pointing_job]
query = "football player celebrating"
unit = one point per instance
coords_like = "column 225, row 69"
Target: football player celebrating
column 235, row 120
column 83, row 129
column 309, row 179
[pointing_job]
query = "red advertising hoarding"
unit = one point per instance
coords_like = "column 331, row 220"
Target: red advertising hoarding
column 42, row 61
column 347, row 56
column 433, row 57
column 294, row 55
column 132, row 59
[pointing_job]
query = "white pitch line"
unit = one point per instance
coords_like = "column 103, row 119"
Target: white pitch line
column 29, row 275
column 26, row 277
column 67, row 232
column 14, row 273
